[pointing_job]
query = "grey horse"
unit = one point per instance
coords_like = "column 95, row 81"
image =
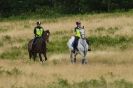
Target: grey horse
column 82, row 48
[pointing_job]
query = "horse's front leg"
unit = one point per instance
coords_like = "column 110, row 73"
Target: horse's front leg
column 40, row 57
column 34, row 56
column 84, row 61
column 71, row 56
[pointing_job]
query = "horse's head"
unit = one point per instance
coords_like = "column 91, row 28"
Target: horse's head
column 46, row 35
column 82, row 32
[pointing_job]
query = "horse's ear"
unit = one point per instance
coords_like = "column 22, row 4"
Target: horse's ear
column 48, row 31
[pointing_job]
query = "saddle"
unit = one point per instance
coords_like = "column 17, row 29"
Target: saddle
column 34, row 42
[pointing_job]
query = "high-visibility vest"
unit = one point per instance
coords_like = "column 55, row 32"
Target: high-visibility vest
column 39, row 32
column 77, row 33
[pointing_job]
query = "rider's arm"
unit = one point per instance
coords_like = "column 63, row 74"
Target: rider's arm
column 75, row 29
column 35, row 31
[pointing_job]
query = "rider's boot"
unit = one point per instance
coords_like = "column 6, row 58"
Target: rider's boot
column 75, row 43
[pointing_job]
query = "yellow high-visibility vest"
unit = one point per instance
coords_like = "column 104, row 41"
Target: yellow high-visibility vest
column 78, row 33
column 39, row 32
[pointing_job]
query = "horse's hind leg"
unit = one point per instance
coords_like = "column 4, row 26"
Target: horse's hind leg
column 71, row 56
column 45, row 56
column 75, row 57
column 83, row 61
column 30, row 55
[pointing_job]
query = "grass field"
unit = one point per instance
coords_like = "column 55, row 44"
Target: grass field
column 110, row 61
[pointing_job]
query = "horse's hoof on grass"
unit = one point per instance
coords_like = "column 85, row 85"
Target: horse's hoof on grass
column 85, row 63
column 73, row 62
column 89, row 49
column 42, row 62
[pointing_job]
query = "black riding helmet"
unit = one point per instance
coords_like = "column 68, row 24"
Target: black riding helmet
column 38, row 23
column 77, row 23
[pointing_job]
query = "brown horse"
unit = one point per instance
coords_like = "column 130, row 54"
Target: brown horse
column 40, row 46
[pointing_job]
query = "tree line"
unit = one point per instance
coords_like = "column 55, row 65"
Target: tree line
column 51, row 7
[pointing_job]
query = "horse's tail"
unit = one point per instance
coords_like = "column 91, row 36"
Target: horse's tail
column 30, row 48
column 70, row 42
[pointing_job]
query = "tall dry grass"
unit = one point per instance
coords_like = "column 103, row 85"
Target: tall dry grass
column 111, row 63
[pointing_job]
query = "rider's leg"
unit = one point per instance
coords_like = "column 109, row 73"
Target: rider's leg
column 75, row 42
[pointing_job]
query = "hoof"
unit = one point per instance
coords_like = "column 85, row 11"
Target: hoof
column 89, row 49
column 85, row 63
column 46, row 59
column 73, row 62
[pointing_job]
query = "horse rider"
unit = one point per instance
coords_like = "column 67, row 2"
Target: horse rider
column 38, row 32
column 77, row 35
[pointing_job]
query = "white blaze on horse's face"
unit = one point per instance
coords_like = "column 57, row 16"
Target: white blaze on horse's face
column 82, row 31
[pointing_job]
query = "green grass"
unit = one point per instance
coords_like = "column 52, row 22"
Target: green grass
column 59, row 39
column 94, row 83
column 109, row 31
column 3, row 30
column 103, row 42
column 11, row 72
column 13, row 54
column 59, row 42
column 7, row 38
column 1, row 43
